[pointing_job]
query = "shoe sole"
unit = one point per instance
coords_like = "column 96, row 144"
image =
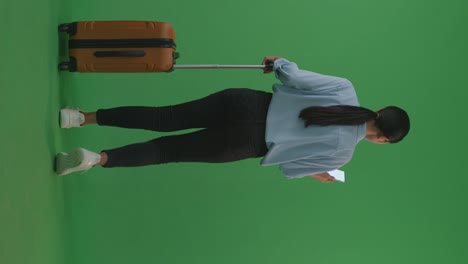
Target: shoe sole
column 67, row 163
column 63, row 120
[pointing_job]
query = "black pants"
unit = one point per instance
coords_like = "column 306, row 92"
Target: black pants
column 231, row 122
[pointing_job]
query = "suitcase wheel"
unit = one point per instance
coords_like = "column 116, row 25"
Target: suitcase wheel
column 65, row 28
column 64, row 66
column 68, row 65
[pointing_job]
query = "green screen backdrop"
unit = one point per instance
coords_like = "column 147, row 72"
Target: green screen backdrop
column 403, row 203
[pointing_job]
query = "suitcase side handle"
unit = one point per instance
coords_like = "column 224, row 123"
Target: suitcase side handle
column 106, row 54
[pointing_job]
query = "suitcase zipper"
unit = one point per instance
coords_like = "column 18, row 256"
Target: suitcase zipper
column 104, row 54
column 121, row 43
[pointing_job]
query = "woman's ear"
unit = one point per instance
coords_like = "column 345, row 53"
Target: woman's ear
column 384, row 139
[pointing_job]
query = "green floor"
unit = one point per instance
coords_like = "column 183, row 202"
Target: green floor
column 402, row 204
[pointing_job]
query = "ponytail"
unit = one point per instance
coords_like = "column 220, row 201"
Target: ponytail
column 336, row 115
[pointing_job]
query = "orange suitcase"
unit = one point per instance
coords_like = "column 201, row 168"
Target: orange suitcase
column 119, row 46
column 127, row 46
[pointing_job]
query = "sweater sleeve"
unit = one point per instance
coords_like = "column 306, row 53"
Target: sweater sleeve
column 291, row 76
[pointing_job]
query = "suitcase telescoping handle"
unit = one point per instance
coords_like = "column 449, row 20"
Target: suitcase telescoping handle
column 223, row 66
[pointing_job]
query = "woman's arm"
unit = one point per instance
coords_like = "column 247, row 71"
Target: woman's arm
column 290, row 75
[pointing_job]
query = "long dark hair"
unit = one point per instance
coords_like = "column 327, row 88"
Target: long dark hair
column 392, row 121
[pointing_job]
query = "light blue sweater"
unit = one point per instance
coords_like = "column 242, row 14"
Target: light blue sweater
column 301, row 151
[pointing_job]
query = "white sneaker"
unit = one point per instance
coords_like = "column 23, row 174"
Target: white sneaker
column 78, row 160
column 70, row 117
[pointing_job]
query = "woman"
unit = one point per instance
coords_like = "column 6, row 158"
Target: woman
column 309, row 125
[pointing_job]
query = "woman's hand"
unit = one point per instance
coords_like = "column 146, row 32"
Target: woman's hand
column 268, row 60
column 323, row 177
